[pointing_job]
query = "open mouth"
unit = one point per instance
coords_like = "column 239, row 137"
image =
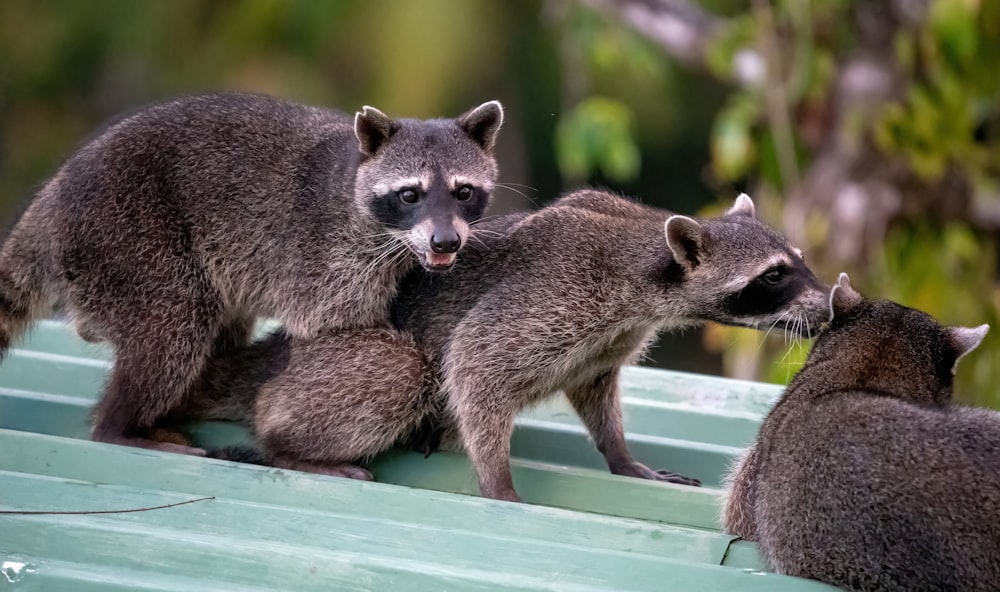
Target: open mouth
column 432, row 261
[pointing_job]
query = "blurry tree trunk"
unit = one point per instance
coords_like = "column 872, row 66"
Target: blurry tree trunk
column 850, row 185
column 682, row 28
column 854, row 186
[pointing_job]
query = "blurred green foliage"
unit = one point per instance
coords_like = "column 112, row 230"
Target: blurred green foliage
column 597, row 135
column 934, row 126
column 66, row 66
column 945, row 122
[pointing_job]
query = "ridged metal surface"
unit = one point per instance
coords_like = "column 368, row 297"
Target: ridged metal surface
column 420, row 527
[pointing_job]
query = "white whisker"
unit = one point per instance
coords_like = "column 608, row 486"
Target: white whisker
column 510, row 187
column 479, row 241
column 485, row 219
column 769, row 329
column 490, row 233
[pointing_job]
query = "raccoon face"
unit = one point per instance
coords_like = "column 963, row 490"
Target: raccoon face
column 739, row 271
column 427, row 181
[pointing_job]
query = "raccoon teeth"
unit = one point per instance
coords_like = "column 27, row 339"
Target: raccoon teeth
column 440, row 259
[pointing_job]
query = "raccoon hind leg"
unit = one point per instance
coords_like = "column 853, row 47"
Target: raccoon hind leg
column 160, row 350
column 343, row 397
column 147, row 384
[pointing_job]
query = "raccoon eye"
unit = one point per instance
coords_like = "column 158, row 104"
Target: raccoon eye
column 464, row 193
column 408, row 195
column 775, row 275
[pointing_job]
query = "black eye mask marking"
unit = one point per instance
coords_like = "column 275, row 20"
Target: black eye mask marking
column 767, row 293
column 409, row 195
column 775, row 275
column 408, row 207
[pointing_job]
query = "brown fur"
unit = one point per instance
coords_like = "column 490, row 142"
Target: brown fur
column 322, row 427
column 560, row 300
column 865, row 475
column 575, row 292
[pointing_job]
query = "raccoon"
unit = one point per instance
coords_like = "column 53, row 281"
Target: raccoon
column 865, row 475
column 171, row 230
column 556, row 300
column 330, row 375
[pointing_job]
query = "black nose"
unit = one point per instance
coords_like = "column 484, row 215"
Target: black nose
column 445, row 242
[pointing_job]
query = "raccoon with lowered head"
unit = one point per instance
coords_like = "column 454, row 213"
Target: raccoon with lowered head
column 559, row 299
column 865, row 475
column 170, row 231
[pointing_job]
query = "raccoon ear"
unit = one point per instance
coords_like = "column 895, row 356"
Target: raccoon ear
column 372, row 128
column 843, row 297
column 483, row 123
column 743, row 207
column 964, row 340
column 686, row 239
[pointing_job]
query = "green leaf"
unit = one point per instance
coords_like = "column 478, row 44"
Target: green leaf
column 733, row 150
column 597, row 136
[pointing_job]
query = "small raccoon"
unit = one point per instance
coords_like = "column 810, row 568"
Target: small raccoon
column 170, row 231
column 865, row 475
column 556, row 300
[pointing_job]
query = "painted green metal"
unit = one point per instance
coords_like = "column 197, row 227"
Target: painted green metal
column 420, row 527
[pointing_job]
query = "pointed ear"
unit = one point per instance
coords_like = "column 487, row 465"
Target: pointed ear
column 372, row 128
column 964, row 340
column 483, row 123
column 743, row 207
column 686, row 240
column 843, row 297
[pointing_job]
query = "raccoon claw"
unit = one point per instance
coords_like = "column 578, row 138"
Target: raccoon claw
column 671, row 477
column 354, row 472
column 641, row 471
column 150, row 444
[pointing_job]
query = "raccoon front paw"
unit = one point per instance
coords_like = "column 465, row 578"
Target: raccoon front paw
column 180, row 449
column 641, row 471
column 345, row 470
column 352, row 472
column 671, row 477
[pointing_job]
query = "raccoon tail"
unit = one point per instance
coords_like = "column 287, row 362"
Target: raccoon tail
column 22, row 298
column 243, row 454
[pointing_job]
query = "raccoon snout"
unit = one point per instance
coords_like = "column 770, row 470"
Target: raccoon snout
column 446, row 242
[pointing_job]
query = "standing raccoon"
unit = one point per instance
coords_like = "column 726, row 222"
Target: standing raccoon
column 865, row 475
column 170, row 231
column 556, row 300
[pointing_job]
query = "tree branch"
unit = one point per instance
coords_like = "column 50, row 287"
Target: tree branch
column 682, row 29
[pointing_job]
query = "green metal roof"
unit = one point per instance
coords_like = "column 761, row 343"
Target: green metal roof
column 420, row 527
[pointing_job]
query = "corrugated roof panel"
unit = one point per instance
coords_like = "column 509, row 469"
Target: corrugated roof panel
column 415, row 529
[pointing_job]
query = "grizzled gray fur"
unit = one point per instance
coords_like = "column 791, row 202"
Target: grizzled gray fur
column 309, row 402
column 170, row 231
column 556, row 300
column 865, row 475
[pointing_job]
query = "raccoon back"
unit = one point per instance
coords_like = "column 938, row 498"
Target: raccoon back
column 240, row 172
column 874, row 493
